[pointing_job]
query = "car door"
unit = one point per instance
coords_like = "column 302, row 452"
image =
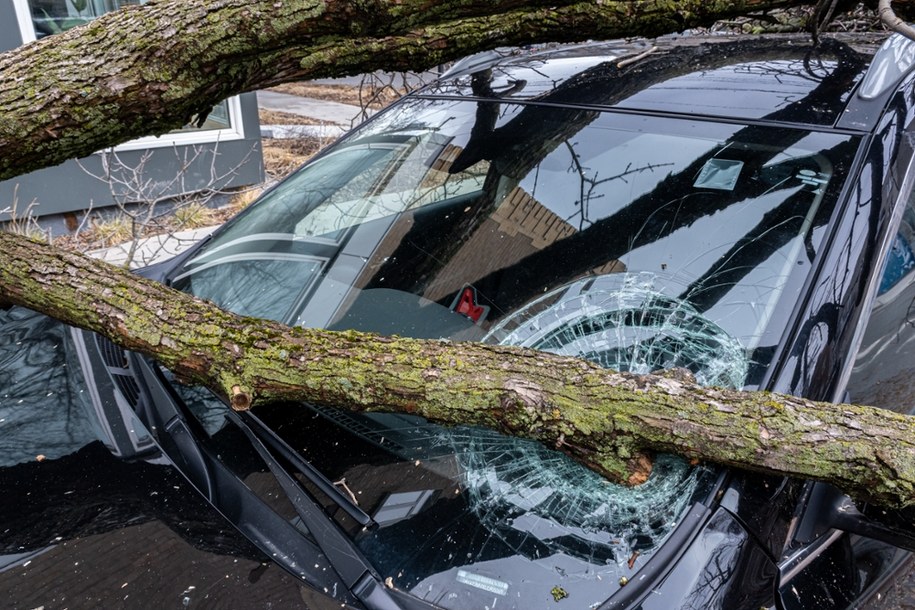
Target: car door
column 824, row 566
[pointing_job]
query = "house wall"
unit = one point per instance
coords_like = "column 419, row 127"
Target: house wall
column 70, row 188
column 10, row 36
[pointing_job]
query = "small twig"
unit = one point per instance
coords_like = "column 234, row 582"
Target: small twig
column 631, row 60
column 352, row 496
column 822, row 15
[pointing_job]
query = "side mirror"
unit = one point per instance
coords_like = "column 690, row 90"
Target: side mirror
column 828, row 508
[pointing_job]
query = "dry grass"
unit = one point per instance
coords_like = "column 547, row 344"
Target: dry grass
column 193, row 216
column 118, row 228
column 282, row 156
column 371, row 97
column 275, row 117
column 241, row 200
column 108, row 231
column 24, row 222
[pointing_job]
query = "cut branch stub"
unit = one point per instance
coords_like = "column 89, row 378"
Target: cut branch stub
column 240, row 400
column 607, row 420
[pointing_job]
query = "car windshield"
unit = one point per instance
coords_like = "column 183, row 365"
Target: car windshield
column 639, row 242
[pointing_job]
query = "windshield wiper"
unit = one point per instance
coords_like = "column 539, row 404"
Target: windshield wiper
column 165, row 415
column 355, row 571
column 270, row 438
column 161, row 412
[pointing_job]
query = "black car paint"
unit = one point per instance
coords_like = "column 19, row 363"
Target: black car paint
column 86, row 528
column 748, row 543
column 816, row 352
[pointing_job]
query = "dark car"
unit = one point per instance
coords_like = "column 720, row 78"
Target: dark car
column 740, row 208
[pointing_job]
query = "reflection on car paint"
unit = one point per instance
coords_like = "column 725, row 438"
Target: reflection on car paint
column 44, row 401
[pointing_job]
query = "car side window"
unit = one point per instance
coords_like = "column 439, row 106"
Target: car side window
column 884, row 368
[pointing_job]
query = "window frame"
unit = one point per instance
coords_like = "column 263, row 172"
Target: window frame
column 235, row 131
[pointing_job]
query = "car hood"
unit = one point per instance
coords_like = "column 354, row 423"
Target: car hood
column 83, row 528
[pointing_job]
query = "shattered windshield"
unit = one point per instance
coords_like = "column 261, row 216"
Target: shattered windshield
column 453, row 219
column 637, row 242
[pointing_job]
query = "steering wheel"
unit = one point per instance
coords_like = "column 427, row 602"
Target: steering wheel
column 623, row 322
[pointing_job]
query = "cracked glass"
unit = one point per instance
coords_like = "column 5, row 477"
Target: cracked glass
column 638, row 242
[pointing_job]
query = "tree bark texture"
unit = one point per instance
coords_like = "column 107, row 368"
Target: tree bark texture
column 149, row 69
column 607, row 420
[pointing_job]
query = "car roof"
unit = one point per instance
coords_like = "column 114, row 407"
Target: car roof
column 780, row 79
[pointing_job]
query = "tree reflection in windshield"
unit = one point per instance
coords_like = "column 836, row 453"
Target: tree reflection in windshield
column 640, row 242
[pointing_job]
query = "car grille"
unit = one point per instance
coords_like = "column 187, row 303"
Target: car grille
column 118, row 366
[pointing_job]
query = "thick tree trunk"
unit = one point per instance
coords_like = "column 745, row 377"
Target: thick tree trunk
column 74, row 93
column 607, row 420
column 86, row 89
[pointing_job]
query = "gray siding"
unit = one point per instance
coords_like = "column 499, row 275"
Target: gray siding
column 10, row 36
column 70, row 188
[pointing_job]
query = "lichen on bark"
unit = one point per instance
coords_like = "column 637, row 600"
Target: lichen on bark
column 607, row 420
column 86, row 89
column 81, row 91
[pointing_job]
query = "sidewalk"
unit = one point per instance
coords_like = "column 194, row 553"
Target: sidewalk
column 337, row 117
column 342, row 115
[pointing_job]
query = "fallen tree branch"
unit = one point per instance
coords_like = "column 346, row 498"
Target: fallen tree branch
column 609, row 421
column 85, row 89
column 892, row 21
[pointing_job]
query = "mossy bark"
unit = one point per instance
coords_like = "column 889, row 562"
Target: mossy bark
column 134, row 73
column 607, row 420
column 149, row 69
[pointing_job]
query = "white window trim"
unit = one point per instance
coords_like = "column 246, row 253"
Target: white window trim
column 26, row 29
column 236, row 130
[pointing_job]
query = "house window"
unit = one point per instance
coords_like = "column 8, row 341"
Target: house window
column 40, row 18
column 55, row 16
